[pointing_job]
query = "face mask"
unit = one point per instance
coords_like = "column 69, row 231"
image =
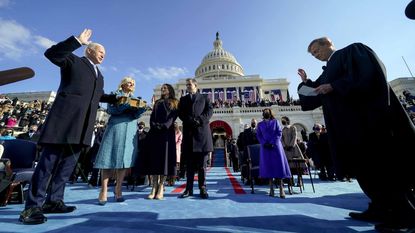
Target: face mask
column 267, row 115
column 31, row 131
column 253, row 125
column 283, row 122
column 140, row 127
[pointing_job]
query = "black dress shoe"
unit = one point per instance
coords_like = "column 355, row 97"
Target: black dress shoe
column 32, row 216
column 367, row 216
column 399, row 226
column 57, row 207
column 186, row 194
column 204, row 194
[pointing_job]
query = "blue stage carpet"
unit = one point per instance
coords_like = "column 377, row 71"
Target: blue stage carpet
column 225, row 211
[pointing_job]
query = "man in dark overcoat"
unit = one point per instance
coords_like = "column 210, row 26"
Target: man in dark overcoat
column 31, row 135
column 195, row 111
column 68, row 127
column 369, row 131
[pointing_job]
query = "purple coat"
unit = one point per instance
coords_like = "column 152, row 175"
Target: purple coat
column 273, row 162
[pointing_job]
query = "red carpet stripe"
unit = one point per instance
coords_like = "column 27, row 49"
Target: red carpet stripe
column 181, row 188
column 235, row 184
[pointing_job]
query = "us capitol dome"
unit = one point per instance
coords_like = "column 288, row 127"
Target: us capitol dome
column 218, row 63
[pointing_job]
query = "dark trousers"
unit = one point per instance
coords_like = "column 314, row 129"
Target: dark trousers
column 53, row 170
column 235, row 163
column 196, row 161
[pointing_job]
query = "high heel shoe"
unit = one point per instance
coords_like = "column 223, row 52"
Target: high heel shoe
column 282, row 194
column 271, row 193
column 101, row 201
column 119, row 198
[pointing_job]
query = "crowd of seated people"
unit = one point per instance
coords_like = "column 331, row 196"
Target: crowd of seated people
column 19, row 115
column 408, row 102
column 219, row 103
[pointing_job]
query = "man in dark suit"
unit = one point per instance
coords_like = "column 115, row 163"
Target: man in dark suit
column 250, row 134
column 195, row 111
column 368, row 129
column 68, row 127
column 31, row 135
column 318, row 150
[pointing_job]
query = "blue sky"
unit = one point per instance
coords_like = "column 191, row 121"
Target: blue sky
column 161, row 41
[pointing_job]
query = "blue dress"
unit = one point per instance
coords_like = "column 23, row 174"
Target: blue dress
column 119, row 144
column 272, row 162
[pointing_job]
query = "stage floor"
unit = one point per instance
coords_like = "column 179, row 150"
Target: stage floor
column 230, row 208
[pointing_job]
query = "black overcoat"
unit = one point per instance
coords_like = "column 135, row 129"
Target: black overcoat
column 72, row 116
column 158, row 156
column 196, row 138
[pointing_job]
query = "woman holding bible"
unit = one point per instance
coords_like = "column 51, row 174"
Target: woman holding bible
column 118, row 149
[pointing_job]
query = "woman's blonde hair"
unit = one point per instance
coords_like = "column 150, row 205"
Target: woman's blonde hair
column 125, row 80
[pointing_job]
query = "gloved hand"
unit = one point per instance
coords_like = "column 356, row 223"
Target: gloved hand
column 196, row 123
column 268, row 145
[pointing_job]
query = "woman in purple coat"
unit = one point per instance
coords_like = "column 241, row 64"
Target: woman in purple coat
column 273, row 162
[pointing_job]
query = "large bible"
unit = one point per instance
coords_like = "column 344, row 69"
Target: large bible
column 134, row 102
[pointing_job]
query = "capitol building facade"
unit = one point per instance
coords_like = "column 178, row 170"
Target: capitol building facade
column 239, row 98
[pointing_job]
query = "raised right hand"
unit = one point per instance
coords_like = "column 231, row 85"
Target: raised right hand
column 302, row 74
column 84, row 36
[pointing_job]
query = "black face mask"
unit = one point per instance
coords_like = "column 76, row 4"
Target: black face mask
column 31, row 131
column 253, row 125
column 140, row 127
column 266, row 115
column 283, row 122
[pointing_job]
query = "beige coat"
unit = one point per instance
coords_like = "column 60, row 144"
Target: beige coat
column 289, row 142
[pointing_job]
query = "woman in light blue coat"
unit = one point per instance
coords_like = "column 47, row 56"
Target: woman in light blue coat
column 118, row 149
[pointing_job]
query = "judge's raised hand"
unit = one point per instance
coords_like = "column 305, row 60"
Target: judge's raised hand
column 302, row 74
column 84, row 36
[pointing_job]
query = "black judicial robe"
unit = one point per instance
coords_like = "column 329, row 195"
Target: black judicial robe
column 369, row 131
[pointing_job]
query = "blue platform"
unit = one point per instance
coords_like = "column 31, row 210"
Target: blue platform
column 226, row 210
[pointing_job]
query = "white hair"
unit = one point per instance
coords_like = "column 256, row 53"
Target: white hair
column 92, row 46
column 125, row 80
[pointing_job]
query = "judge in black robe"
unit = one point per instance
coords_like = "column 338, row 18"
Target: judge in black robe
column 369, row 131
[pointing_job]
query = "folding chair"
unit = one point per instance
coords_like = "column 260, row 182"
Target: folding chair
column 299, row 172
column 22, row 155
